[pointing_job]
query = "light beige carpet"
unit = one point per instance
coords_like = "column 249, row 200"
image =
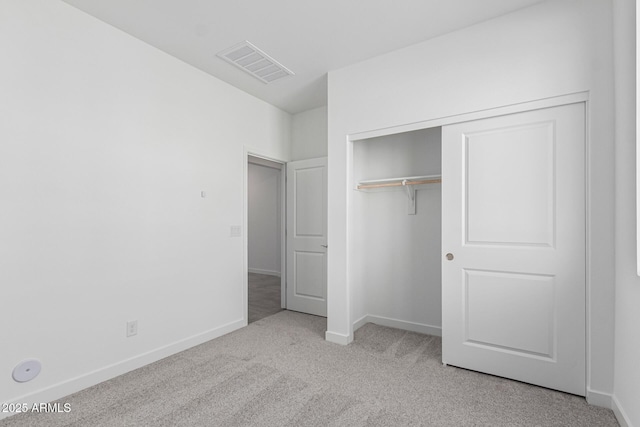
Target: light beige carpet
column 279, row 371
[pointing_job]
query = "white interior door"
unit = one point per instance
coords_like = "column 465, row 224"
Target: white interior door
column 513, row 220
column 307, row 236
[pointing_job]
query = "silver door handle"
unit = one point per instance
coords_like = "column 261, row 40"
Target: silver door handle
column 449, row 256
column 325, row 246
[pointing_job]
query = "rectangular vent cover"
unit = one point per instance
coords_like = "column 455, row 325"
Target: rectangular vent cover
column 255, row 62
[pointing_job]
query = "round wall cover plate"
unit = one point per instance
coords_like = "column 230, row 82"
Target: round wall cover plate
column 26, row 370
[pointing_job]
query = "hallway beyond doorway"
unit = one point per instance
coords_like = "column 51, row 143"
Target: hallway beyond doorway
column 264, row 296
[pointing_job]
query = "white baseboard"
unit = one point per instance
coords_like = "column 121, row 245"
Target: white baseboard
column 266, row 272
column 618, row 411
column 337, row 338
column 609, row 401
column 598, row 398
column 398, row 324
column 361, row 322
column 73, row 385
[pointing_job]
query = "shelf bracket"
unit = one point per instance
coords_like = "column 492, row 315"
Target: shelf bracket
column 411, row 195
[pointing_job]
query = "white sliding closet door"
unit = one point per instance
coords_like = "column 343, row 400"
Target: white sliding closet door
column 513, row 269
column 307, row 236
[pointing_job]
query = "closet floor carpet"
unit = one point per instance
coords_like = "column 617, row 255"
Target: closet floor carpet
column 279, row 371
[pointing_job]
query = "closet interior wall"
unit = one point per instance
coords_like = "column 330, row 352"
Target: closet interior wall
column 395, row 265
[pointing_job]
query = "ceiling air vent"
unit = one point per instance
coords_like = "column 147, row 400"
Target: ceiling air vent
column 255, row 62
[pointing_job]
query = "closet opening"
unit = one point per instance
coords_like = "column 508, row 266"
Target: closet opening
column 396, row 231
column 494, row 257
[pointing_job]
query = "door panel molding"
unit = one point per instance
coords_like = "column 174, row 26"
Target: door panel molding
column 515, row 306
column 307, row 236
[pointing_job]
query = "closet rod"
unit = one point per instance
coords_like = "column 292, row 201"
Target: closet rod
column 399, row 183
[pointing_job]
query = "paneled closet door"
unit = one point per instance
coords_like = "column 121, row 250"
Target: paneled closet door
column 513, row 243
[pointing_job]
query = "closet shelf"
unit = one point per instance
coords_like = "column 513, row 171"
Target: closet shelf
column 409, row 183
column 399, row 182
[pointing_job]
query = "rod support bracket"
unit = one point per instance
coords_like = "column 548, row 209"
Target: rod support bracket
column 411, row 195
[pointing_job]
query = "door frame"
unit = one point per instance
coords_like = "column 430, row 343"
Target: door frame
column 578, row 97
column 247, row 152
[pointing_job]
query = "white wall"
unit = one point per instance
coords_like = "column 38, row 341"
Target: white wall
column 264, row 218
column 309, row 134
column 105, row 146
column 627, row 339
column 395, row 257
column 551, row 49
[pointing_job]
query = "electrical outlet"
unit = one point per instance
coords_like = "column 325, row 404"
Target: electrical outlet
column 132, row 328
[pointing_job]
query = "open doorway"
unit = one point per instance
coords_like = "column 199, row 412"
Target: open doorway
column 265, row 222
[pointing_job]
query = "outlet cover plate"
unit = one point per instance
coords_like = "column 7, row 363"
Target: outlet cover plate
column 132, row 328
